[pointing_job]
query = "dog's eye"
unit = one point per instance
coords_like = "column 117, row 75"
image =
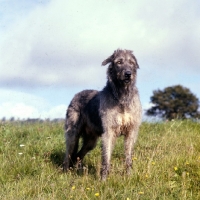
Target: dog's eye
column 119, row 62
column 132, row 63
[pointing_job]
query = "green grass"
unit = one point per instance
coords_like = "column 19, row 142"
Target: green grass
column 166, row 164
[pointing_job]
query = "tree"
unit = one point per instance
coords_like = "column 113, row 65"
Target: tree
column 12, row 119
column 176, row 102
column 3, row 119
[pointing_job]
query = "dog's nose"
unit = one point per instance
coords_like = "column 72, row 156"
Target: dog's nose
column 127, row 74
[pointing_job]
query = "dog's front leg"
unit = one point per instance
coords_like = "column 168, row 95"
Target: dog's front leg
column 128, row 144
column 108, row 140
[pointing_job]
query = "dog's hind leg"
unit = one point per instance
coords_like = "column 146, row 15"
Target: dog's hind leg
column 72, row 130
column 89, row 142
column 72, row 140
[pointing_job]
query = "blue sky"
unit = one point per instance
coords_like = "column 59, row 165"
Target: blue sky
column 51, row 50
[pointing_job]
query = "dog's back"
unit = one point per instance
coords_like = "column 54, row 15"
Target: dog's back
column 77, row 106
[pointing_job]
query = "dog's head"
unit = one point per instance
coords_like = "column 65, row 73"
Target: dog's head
column 123, row 67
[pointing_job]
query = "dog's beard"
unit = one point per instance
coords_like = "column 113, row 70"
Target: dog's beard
column 126, row 81
column 121, row 80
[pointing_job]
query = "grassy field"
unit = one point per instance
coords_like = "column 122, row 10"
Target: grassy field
column 166, row 164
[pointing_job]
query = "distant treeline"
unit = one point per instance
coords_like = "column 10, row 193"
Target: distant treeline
column 31, row 120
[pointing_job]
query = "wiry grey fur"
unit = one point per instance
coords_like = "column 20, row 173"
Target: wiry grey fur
column 114, row 111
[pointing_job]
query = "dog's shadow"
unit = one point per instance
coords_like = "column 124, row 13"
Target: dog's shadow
column 57, row 158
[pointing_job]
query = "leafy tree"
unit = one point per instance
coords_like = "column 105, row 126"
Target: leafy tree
column 176, row 102
column 3, row 119
column 12, row 119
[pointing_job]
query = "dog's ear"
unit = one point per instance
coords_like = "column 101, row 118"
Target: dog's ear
column 135, row 60
column 108, row 60
column 137, row 64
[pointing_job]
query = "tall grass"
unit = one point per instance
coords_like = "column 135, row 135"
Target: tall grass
column 166, row 164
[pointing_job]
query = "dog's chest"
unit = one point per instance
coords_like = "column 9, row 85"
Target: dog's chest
column 123, row 122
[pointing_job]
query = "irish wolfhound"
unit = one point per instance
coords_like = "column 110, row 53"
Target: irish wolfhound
column 114, row 111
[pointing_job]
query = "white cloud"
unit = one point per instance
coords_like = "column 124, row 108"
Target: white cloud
column 22, row 111
column 17, row 97
column 57, row 43
column 55, row 112
column 146, row 106
column 24, row 105
column 18, row 111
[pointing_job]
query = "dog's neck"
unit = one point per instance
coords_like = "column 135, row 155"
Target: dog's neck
column 122, row 94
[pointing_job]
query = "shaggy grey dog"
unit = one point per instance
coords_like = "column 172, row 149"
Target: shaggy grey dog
column 114, row 111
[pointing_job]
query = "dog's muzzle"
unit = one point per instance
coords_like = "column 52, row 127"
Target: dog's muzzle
column 127, row 76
